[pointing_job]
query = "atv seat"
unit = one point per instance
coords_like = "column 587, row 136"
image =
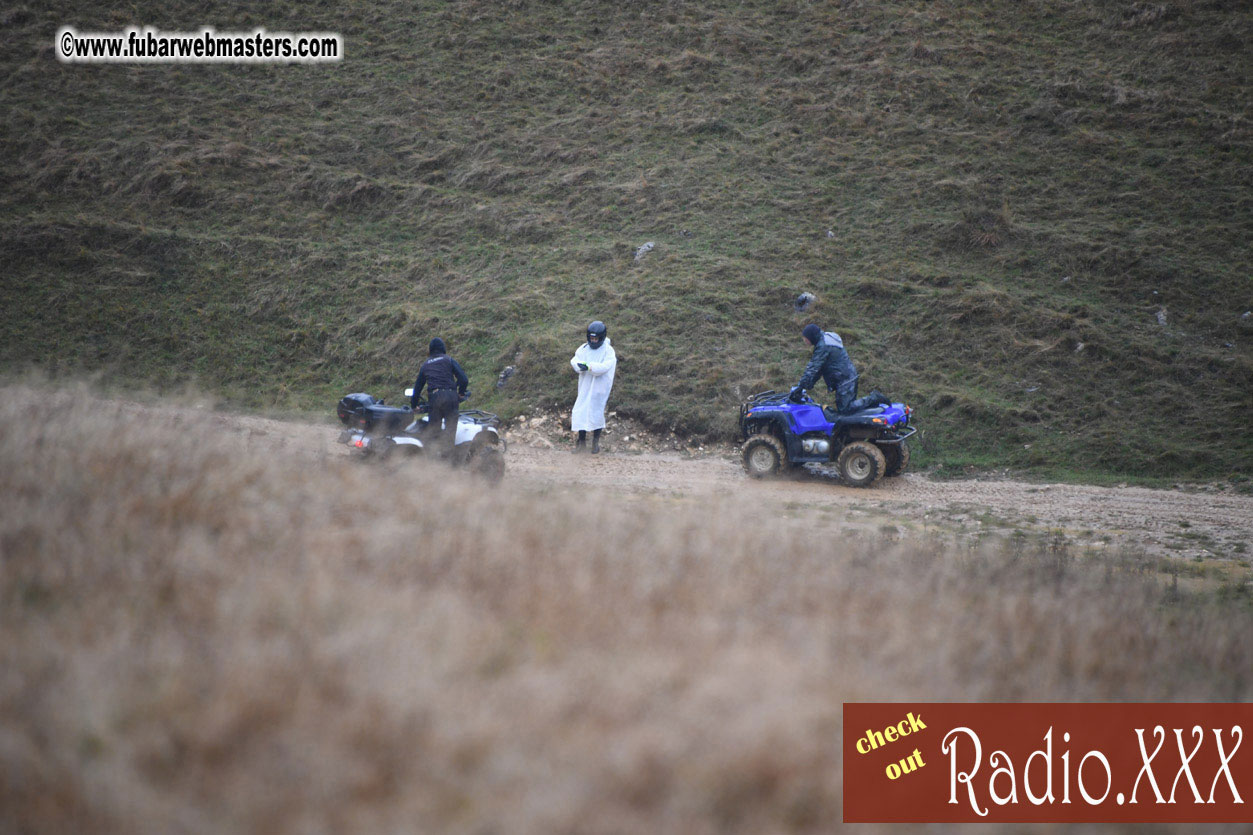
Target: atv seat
column 853, row 416
column 861, row 407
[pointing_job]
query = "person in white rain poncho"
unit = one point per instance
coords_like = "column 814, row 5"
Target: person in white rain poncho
column 594, row 362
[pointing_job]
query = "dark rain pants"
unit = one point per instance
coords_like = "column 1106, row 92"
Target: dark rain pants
column 845, row 394
column 443, row 409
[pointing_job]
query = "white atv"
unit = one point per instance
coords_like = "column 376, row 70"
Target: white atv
column 387, row 431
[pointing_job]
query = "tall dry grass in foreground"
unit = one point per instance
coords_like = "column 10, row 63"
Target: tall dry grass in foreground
column 203, row 633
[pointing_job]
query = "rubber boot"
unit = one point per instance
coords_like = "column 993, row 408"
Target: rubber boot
column 581, row 444
column 875, row 398
column 595, row 442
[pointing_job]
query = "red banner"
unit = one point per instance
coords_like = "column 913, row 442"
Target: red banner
column 920, row 762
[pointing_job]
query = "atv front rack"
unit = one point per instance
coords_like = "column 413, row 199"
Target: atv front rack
column 763, row 397
column 480, row 417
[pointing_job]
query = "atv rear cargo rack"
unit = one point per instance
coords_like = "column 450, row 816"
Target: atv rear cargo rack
column 898, row 438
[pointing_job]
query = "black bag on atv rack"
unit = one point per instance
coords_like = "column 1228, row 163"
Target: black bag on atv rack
column 361, row 411
column 353, row 410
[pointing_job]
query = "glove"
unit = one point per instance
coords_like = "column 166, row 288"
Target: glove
column 582, row 366
column 796, row 395
column 465, row 396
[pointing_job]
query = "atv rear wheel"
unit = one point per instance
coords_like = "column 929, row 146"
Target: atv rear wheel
column 763, row 455
column 383, row 449
column 861, row 464
column 386, row 449
column 897, row 456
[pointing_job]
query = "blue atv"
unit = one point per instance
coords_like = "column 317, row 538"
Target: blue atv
column 865, row 444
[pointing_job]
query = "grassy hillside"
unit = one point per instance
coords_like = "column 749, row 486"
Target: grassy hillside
column 1015, row 190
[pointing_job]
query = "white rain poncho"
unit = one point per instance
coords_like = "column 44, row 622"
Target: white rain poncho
column 594, row 385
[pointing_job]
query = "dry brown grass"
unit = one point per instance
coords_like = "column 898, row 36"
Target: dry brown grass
column 203, row 632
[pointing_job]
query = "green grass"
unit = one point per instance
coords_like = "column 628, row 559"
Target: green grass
column 1006, row 182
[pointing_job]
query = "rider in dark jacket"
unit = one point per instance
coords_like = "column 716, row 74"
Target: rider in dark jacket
column 830, row 362
column 448, row 384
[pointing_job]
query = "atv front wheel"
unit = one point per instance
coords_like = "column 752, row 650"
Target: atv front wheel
column 489, row 462
column 763, row 455
column 897, row 456
column 861, row 464
column 485, row 456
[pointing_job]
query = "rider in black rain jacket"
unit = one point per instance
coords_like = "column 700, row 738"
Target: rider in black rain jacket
column 448, row 383
column 830, row 362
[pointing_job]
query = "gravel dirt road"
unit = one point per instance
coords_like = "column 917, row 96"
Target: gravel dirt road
column 1206, row 523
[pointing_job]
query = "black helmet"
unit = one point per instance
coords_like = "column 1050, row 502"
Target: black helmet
column 596, row 333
